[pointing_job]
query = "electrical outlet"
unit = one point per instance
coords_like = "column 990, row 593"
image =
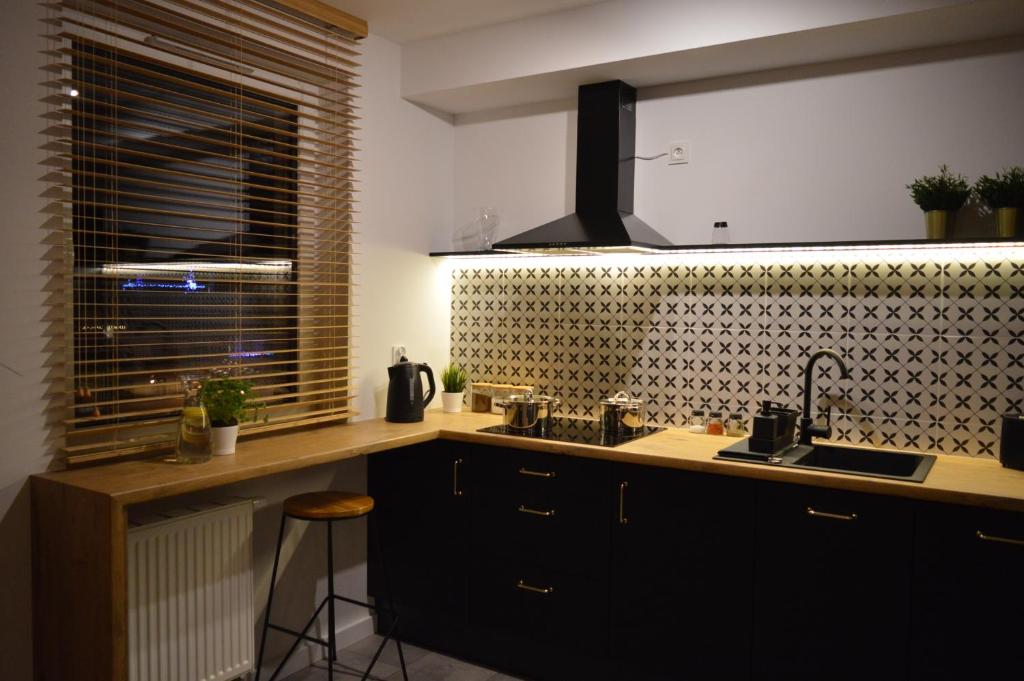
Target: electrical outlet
column 678, row 152
column 397, row 352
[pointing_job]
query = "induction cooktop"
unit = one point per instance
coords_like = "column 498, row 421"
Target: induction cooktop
column 581, row 431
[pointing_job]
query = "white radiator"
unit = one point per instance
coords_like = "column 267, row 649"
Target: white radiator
column 190, row 595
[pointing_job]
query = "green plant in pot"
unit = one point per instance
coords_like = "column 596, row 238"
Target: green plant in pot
column 228, row 402
column 1004, row 195
column 939, row 196
column 453, row 382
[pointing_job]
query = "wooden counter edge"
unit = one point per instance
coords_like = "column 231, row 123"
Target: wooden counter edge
column 79, row 586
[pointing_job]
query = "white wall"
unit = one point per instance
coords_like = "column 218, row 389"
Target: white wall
column 406, row 172
column 407, row 169
column 809, row 153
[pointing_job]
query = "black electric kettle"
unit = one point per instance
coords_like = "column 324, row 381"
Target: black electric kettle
column 405, row 391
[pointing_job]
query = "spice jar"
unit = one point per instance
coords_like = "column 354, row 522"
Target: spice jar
column 736, row 426
column 716, row 426
column 698, row 424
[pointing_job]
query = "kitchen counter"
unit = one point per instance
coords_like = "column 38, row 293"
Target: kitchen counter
column 79, row 517
column 953, row 479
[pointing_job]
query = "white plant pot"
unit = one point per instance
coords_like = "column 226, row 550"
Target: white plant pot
column 451, row 403
column 222, row 440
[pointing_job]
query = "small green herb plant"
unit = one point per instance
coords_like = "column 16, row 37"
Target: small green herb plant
column 1005, row 190
column 945, row 191
column 228, row 403
column 454, row 378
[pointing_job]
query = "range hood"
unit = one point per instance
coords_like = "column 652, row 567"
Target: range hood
column 605, row 150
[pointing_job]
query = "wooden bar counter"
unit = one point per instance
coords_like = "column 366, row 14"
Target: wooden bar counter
column 79, row 519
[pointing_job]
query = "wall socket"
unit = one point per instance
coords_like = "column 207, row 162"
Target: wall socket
column 397, row 352
column 678, row 152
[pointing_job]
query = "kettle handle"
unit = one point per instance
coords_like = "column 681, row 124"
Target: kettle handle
column 430, row 379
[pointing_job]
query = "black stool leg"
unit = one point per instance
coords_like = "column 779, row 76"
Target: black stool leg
column 270, row 600
column 332, row 652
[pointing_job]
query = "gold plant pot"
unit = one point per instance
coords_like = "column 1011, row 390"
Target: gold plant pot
column 1006, row 221
column 935, row 222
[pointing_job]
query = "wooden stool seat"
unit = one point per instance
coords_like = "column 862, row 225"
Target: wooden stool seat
column 328, row 505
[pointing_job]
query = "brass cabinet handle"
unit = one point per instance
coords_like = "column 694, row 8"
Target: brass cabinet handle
column 535, row 589
column 623, row 520
column 533, row 511
column 455, row 478
column 834, row 516
column 1001, row 540
column 537, row 474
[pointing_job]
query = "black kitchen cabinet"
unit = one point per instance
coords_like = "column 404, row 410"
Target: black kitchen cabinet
column 539, row 583
column 422, row 512
column 681, row 575
column 968, row 594
column 832, row 588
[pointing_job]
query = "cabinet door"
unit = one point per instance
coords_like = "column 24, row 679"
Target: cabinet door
column 682, row 554
column 832, row 585
column 421, row 510
column 968, row 594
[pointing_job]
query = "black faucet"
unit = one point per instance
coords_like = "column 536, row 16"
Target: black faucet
column 807, row 427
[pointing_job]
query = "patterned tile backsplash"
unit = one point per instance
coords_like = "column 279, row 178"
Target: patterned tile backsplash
column 934, row 340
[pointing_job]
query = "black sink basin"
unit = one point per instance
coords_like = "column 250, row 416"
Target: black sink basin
column 868, row 462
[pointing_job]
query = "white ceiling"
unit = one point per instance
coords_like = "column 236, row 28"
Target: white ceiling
column 407, row 20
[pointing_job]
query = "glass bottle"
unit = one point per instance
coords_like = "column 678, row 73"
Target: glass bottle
column 193, row 445
column 697, row 423
column 716, row 426
column 737, row 424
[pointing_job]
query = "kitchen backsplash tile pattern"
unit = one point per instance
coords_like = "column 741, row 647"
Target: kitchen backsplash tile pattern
column 934, row 340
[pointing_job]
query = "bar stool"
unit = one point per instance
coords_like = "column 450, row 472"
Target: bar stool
column 327, row 507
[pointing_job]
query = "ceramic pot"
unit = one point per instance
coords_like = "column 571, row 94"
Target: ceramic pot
column 936, row 222
column 1006, row 222
column 451, row 403
column 223, row 439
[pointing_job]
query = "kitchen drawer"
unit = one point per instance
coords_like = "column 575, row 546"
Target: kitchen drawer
column 540, row 604
column 555, row 514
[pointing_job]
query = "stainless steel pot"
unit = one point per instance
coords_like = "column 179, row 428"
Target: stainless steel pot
column 623, row 413
column 528, row 412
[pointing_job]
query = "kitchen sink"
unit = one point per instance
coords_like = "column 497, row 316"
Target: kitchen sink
column 868, row 462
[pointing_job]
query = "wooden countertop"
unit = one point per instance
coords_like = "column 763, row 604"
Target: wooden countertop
column 953, row 479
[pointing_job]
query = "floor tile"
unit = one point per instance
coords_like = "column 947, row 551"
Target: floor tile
column 436, row 667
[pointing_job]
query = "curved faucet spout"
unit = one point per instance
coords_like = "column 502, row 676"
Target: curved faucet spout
column 807, row 430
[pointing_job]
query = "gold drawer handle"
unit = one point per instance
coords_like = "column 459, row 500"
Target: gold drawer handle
column 456, row 490
column 623, row 520
column 537, row 474
column 533, row 511
column 1000, row 540
column 535, row 589
column 834, row 516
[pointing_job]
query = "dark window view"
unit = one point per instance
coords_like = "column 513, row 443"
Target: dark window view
column 185, row 239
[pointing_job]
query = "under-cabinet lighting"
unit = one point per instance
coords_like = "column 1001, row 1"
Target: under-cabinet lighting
column 262, row 267
column 940, row 251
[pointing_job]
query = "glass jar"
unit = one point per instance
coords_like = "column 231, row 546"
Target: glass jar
column 697, row 424
column 736, row 426
column 193, row 444
column 716, row 426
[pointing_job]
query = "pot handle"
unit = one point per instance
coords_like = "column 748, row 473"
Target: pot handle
column 430, row 378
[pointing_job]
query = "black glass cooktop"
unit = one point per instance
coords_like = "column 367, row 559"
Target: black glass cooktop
column 582, row 431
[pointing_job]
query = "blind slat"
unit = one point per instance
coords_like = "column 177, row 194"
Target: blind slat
column 201, row 220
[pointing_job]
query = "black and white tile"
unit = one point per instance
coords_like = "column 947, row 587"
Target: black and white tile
column 935, row 344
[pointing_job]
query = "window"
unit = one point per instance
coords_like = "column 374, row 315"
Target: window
column 202, row 162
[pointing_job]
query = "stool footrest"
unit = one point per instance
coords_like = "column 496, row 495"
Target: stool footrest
column 299, row 634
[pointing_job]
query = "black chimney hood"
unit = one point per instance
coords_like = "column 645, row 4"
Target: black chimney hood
column 605, row 147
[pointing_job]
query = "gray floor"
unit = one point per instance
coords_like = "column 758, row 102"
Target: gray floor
column 422, row 665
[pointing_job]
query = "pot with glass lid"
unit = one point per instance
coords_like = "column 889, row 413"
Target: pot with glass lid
column 623, row 413
column 527, row 412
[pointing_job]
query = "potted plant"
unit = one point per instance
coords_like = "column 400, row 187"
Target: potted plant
column 453, row 380
column 228, row 403
column 1003, row 194
column 938, row 196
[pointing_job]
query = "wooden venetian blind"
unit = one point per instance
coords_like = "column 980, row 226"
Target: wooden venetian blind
column 201, row 160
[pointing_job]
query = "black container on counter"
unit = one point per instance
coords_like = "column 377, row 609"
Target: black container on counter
column 1011, row 442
